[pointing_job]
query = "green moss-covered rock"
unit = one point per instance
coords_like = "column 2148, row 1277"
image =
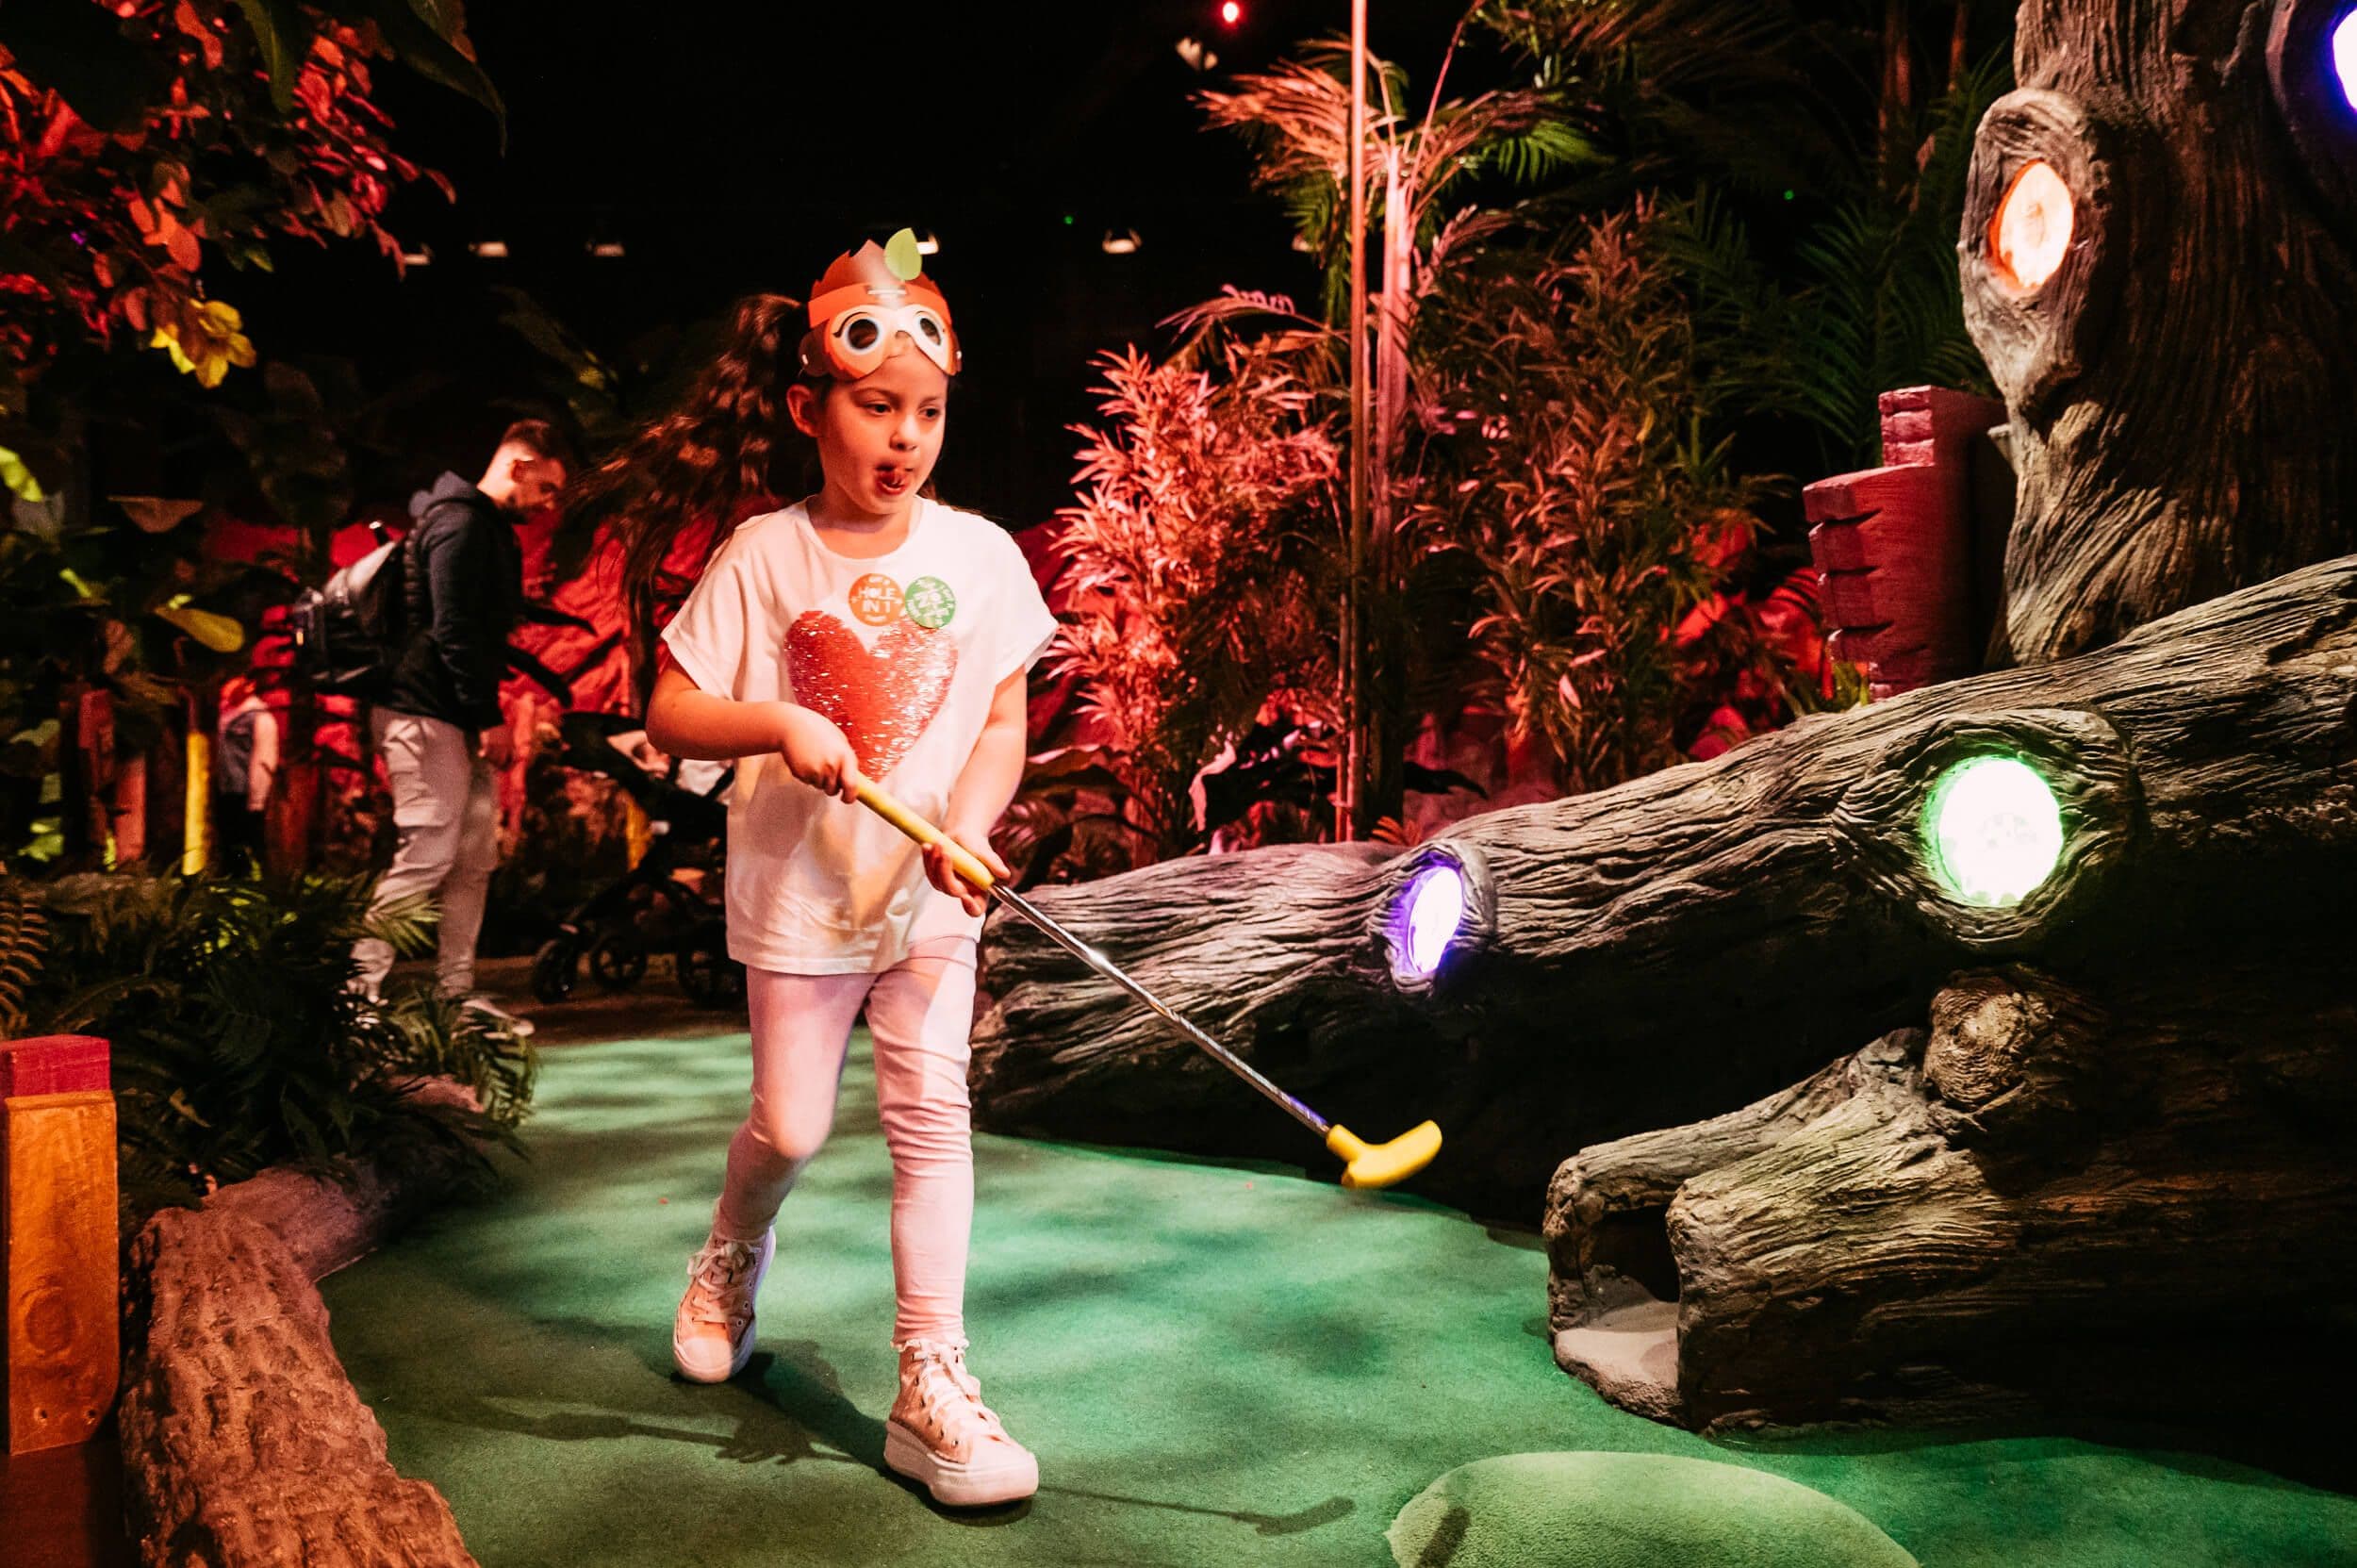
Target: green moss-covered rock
column 1630, row 1511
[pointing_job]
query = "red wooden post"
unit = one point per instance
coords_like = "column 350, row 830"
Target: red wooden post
column 58, row 1244
column 1902, row 549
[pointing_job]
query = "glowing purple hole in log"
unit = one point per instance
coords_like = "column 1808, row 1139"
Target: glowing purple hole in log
column 1436, row 908
column 2344, row 55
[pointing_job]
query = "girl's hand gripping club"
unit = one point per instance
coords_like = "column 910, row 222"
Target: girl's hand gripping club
column 1365, row 1164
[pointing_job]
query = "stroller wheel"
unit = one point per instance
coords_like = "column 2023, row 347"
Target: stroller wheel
column 554, row 968
column 617, row 961
column 710, row 977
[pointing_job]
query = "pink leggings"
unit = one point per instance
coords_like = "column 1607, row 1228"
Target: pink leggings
column 919, row 1011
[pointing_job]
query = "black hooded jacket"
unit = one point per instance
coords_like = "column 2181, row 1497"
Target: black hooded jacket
column 465, row 585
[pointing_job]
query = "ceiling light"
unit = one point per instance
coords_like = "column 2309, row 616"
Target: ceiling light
column 1124, row 244
column 489, row 250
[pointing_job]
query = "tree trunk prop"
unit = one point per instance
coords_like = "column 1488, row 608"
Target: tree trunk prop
column 1697, row 938
column 2047, row 1201
column 2177, row 386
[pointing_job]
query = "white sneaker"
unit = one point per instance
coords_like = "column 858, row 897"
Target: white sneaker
column 941, row 1434
column 499, row 1018
column 711, row 1335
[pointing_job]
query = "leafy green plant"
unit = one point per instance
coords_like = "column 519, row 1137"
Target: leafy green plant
column 1575, row 471
column 1806, row 187
column 1868, row 301
column 141, row 138
column 134, row 612
column 239, row 1041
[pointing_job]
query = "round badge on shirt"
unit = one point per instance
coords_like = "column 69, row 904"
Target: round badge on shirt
column 931, row 603
column 876, row 599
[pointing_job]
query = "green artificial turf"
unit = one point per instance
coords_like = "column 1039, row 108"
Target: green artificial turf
column 1631, row 1511
column 1217, row 1364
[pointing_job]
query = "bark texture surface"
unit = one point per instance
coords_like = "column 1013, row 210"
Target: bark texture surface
column 2177, row 388
column 1652, row 954
column 2046, row 1203
column 243, row 1442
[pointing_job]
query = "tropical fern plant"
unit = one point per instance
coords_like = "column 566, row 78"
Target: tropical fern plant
column 1806, row 190
column 1868, row 300
column 238, row 1040
column 23, row 944
column 1575, row 467
column 1295, row 116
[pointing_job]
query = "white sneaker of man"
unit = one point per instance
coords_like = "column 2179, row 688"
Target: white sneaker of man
column 712, row 1334
column 499, row 1018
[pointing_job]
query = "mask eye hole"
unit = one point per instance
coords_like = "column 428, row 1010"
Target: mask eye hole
column 930, row 326
column 860, row 332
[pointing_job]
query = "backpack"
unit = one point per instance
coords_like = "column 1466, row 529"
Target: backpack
column 348, row 634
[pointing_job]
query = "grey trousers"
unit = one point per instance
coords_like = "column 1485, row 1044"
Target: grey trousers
column 446, row 812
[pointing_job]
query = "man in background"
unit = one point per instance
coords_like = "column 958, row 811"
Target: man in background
column 440, row 728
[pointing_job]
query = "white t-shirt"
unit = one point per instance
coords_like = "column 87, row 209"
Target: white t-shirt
column 904, row 653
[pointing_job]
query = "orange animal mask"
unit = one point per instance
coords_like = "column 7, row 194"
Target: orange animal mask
column 864, row 306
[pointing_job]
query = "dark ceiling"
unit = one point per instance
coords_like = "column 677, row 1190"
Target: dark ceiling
column 734, row 147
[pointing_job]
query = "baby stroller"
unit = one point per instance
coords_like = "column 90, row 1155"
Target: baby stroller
column 670, row 901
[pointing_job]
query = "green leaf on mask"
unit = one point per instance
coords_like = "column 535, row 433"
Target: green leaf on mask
column 903, row 257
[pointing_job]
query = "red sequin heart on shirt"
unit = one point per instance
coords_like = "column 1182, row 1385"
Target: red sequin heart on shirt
column 882, row 698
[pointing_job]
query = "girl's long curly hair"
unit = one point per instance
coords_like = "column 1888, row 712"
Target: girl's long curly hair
column 705, row 465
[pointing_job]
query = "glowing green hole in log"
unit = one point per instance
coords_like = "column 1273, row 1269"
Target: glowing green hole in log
column 1994, row 830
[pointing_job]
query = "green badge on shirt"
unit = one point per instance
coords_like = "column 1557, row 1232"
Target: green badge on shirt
column 931, row 603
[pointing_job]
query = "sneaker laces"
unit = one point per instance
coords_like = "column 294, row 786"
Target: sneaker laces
column 718, row 1280
column 953, row 1396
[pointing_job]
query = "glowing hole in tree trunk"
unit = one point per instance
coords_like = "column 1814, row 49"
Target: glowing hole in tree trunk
column 2344, row 55
column 1994, row 830
column 2032, row 229
column 1433, row 911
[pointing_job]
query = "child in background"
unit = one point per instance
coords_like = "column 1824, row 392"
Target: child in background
column 872, row 631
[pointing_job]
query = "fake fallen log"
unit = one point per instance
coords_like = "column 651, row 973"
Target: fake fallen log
column 1697, row 939
column 2141, row 1206
column 243, row 1442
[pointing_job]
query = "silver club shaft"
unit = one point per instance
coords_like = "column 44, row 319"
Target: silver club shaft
column 1104, row 965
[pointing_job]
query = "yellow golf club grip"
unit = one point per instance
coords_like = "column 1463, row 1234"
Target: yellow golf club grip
column 923, row 831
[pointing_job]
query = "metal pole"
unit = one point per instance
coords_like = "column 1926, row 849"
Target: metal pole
column 1348, row 786
column 1105, row 966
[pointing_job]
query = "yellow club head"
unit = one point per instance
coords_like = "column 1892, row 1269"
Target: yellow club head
column 1368, row 1165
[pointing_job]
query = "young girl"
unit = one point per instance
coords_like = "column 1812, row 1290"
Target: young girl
column 868, row 632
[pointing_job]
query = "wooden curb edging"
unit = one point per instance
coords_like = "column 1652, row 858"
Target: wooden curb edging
column 243, row 1441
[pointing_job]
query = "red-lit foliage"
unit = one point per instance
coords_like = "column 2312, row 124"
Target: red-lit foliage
column 1185, row 594
column 105, row 232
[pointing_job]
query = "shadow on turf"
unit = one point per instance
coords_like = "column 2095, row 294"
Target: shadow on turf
column 797, row 1406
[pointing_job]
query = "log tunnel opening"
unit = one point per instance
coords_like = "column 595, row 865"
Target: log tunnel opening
column 1635, row 1243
